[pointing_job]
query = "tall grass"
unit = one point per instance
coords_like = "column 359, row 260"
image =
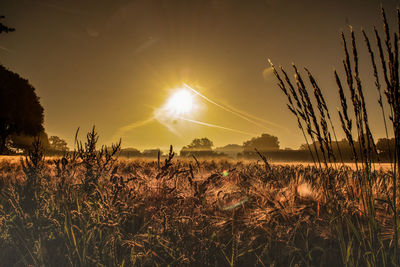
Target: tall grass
column 90, row 208
column 361, row 241
column 146, row 213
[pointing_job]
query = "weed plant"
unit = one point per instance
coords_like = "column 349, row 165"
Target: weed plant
column 89, row 208
column 181, row 212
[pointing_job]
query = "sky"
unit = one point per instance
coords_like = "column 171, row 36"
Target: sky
column 114, row 64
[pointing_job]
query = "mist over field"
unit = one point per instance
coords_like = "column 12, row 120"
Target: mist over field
column 177, row 133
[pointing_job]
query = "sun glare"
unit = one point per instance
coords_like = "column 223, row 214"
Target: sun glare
column 180, row 102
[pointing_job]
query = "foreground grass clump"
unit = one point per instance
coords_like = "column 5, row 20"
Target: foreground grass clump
column 89, row 209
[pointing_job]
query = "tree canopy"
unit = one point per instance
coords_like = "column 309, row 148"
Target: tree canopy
column 386, row 148
column 18, row 142
column 20, row 109
column 58, row 144
column 201, row 143
column 199, row 147
column 264, row 142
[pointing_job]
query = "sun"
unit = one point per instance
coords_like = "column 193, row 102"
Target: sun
column 180, row 102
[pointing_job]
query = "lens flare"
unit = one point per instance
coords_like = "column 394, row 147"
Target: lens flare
column 216, row 126
column 237, row 112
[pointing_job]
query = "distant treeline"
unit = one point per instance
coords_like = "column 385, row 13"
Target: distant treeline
column 265, row 144
column 135, row 153
column 20, row 144
column 383, row 150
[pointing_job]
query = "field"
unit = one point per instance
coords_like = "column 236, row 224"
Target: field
column 90, row 209
column 376, row 166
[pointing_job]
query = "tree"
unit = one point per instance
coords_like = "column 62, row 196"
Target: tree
column 384, row 145
column 130, row 152
column 4, row 28
column 265, row 142
column 152, row 153
column 58, row 144
column 199, row 147
column 386, row 148
column 201, row 143
column 18, row 142
column 20, row 109
column 231, row 150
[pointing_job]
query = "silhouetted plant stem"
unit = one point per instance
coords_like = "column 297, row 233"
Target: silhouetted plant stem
column 324, row 112
column 298, row 112
column 378, row 87
column 309, row 115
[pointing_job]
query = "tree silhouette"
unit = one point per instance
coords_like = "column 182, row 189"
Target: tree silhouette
column 152, row 153
column 4, row 28
column 201, row 143
column 199, row 147
column 58, row 144
column 386, row 148
column 130, row 152
column 20, row 110
column 231, row 150
column 17, row 142
column 265, row 142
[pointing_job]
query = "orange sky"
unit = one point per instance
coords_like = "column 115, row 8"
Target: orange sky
column 113, row 63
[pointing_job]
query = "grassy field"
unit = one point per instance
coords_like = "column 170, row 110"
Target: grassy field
column 377, row 166
column 94, row 210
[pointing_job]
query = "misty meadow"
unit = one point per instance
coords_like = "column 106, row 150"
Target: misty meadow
column 199, row 174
